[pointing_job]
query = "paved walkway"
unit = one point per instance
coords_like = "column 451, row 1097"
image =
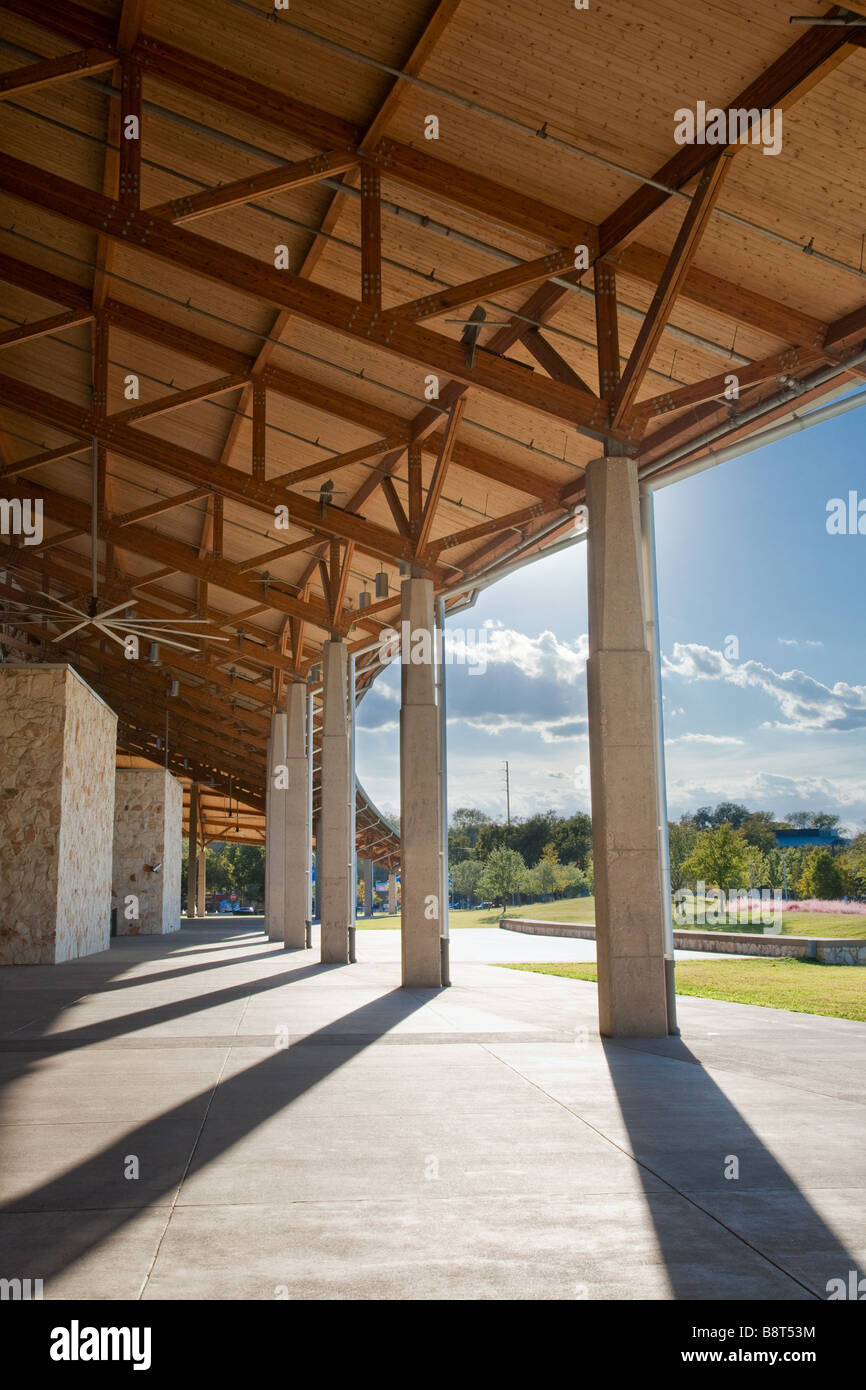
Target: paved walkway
column 316, row 1132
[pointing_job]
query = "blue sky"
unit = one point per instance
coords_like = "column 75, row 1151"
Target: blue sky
column 743, row 552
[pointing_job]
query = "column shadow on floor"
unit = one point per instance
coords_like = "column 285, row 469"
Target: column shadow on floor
column 757, row 1228
column 94, row 1197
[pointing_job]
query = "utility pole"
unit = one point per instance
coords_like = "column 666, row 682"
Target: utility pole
column 507, row 794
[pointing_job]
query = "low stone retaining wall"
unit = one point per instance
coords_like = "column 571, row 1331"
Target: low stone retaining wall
column 829, row 950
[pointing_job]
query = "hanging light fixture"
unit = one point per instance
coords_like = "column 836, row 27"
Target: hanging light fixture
column 381, row 584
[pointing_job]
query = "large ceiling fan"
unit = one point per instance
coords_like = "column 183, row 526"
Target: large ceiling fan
column 115, row 623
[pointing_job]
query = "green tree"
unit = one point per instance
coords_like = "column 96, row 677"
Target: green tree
column 730, row 813
column 572, row 838
column 759, row 872
column 853, row 862
column 466, row 877
column 820, row 877
column 813, row 820
column 490, row 837
column 572, row 879
column 246, row 869
column 466, row 822
column 546, row 871
column 682, row 839
column 530, row 836
column 758, row 830
column 502, row 874
column 720, row 858
column 530, row 885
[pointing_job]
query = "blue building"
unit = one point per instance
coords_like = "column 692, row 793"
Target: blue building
column 796, row 839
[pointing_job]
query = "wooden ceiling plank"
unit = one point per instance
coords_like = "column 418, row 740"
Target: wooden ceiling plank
column 40, row 328
column 395, row 506
column 330, row 465
column 437, row 482
column 176, row 400
column 415, row 496
column 500, row 378
column 371, row 237
column 184, row 463
column 485, row 286
column 552, row 361
column 785, row 363
column 180, row 556
column 281, row 179
column 165, row 504
column 685, row 247
column 811, row 57
column 606, row 328
column 87, row 62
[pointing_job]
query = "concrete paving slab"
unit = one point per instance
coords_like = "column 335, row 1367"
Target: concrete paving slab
column 317, row 1132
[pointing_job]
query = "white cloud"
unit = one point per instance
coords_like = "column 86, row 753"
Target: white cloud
column 704, row 738
column 807, row 704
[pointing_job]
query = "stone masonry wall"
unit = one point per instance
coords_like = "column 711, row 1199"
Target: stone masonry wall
column 147, row 830
column 57, row 753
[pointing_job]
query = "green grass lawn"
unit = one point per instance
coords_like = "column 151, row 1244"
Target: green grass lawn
column 805, row 987
column 582, row 911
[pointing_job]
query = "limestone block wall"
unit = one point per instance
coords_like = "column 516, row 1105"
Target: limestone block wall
column 828, row 949
column 148, row 826
column 57, row 756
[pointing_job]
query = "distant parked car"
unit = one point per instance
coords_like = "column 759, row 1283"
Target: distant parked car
column 248, row 910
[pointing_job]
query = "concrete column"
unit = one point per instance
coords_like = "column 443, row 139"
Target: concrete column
column 192, row 858
column 369, row 869
column 202, row 881
column 296, row 817
column 146, row 868
column 420, row 793
column 57, row 760
column 392, row 893
column 317, row 886
column 275, row 830
column 335, row 875
column 630, row 908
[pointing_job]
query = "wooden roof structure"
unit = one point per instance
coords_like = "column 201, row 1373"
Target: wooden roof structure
column 239, row 206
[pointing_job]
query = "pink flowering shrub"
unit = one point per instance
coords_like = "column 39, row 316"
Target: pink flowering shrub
column 820, row 905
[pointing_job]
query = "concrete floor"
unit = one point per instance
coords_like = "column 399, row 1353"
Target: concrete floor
column 478, row 1142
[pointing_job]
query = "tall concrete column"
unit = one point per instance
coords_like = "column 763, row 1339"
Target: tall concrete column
column 392, row 893
column 630, row 905
column 336, row 872
column 275, row 829
column 317, row 886
column 368, row 887
column 192, row 857
column 296, row 818
column 202, row 881
column 420, row 793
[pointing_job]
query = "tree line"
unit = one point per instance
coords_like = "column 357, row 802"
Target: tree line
column 733, row 848
column 531, row 858
column 546, row 855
